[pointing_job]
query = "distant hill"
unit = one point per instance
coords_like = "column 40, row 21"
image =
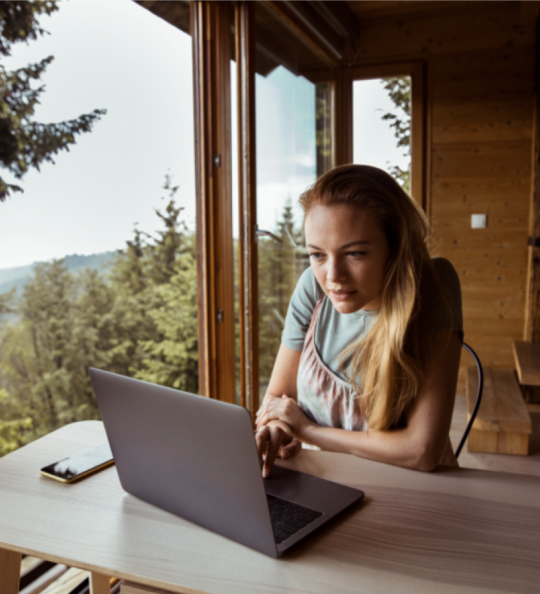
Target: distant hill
column 18, row 276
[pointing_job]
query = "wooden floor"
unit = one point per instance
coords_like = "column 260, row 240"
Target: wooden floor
column 504, row 463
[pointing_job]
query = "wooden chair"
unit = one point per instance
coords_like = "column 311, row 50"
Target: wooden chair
column 478, row 398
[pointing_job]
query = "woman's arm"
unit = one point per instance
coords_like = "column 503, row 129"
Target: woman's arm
column 275, row 438
column 419, row 445
column 283, row 378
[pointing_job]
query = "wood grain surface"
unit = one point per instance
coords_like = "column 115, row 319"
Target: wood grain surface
column 10, row 565
column 527, row 359
column 529, row 464
column 503, row 424
column 68, row 582
column 132, row 588
column 452, row 530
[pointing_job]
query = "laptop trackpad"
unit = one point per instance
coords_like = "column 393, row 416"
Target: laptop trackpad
column 283, row 482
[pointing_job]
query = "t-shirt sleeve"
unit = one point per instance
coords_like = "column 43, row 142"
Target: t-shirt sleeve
column 446, row 312
column 301, row 306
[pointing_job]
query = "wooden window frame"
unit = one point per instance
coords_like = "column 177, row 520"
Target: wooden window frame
column 247, row 189
column 210, row 27
column 248, row 279
column 419, row 119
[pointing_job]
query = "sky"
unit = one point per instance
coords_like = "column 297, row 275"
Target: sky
column 116, row 55
column 373, row 139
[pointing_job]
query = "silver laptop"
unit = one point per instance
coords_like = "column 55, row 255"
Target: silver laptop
column 197, row 458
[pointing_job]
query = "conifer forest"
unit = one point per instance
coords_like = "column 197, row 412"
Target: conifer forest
column 136, row 317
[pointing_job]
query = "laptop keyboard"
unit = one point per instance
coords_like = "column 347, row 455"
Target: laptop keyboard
column 288, row 518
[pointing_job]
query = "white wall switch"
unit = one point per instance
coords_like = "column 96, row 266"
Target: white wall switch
column 478, row 221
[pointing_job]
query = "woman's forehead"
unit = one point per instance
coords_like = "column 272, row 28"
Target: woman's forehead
column 340, row 218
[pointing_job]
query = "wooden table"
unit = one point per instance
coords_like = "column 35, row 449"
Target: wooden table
column 454, row 530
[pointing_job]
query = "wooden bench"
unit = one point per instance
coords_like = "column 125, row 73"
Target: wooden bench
column 527, row 358
column 503, row 424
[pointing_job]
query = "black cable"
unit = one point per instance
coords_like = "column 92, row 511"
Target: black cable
column 478, row 398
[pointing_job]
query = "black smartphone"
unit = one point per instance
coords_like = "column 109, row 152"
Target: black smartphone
column 79, row 465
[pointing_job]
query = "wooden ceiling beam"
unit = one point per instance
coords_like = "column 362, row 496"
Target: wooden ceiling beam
column 310, row 27
column 339, row 16
column 175, row 13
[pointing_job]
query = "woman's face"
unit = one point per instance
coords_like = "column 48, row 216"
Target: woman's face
column 348, row 252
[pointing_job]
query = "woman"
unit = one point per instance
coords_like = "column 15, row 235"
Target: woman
column 370, row 353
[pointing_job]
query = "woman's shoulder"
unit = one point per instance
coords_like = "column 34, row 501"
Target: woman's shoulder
column 446, row 311
column 308, row 285
column 443, row 266
column 446, row 275
column 306, row 294
column 303, row 302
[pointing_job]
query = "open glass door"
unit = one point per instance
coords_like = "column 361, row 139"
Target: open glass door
column 294, row 145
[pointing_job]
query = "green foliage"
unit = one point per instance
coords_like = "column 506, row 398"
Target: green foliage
column 323, row 127
column 280, row 266
column 399, row 91
column 24, row 143
column 171, row 358
column 18, row 22
column 137, row 318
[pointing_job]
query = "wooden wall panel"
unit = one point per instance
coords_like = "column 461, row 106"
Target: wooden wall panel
column 480, row 63
column 497, row 24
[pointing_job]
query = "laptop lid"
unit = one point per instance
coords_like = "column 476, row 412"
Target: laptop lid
column 187, row 454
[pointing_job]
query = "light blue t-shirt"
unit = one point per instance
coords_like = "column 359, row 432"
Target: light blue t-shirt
column 335, row 331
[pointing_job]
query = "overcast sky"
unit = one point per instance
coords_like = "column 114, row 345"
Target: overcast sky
column 116, row 55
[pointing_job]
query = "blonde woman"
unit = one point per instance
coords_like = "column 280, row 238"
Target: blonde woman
column 370, row 353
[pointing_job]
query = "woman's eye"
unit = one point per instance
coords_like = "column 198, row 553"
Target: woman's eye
column 354, row 254
column 315, row 255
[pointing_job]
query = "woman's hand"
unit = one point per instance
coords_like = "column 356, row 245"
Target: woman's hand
column 273, row 441
column 283, row 409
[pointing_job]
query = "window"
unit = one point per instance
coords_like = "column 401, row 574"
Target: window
column 293, row 109
column 382, row 125
column 77, row 301
column 388, row 123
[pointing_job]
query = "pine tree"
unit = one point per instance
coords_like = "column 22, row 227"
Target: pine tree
column 169, row 353
column 139, row 318
column 279, row 268
column 24, row 143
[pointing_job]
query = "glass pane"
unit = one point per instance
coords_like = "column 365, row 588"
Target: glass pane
column 99, row 250
column 382, row 125
column 236, row 212
column 294, row 146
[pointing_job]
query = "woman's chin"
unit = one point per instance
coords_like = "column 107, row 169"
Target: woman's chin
column 346, row 307
column 349, row 306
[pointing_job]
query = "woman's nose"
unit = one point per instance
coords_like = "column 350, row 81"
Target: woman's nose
column 335, row 272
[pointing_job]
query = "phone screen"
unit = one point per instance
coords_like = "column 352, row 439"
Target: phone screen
column 76, row 466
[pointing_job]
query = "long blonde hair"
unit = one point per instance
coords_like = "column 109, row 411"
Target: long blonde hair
column 390, row 359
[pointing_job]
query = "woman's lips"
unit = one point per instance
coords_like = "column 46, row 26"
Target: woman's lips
column 342, row 295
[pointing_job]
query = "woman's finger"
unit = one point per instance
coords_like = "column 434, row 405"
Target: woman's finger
column 263, row 411
column 274, row 443
column 269, row 417
column 261, row 439
column 290, row 450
